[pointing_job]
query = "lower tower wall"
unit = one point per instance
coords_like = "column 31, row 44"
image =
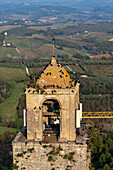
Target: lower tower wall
column 40, row 156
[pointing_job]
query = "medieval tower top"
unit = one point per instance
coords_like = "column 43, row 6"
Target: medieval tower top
column 53, row 106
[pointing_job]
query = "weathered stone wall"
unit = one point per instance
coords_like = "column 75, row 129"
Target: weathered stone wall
column 61, row 156
column 68, row 100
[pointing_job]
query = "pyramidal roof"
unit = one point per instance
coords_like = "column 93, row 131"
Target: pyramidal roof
column 54, row 75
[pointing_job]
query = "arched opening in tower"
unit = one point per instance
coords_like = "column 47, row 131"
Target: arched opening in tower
column 51, row 120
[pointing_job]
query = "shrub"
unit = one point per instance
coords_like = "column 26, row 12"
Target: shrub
column 20, row 155
column 65, row 157
column 31, row 150
column 50, row 158
column 60, row 148
column 44, row 146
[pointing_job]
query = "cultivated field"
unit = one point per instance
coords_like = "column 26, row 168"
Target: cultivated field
column 5, row 28
column 48, row 50
column 12, row 74
column 101, row 69
column 8, row 52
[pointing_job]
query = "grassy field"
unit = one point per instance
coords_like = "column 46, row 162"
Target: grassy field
column 6, row 129
column 48, row 50
column 29, row 53
column 25, row 42
column 34, row 48
column 20, row 42
column 76, row 68
column 12, row 74
column 72, row 51
column 35, row 43
column 54, row 26
column 38, row 48
column 8, row 107
column 5, row 52
column 36, row 70
column 24, row 46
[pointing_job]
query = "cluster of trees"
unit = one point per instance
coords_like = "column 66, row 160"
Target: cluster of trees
column 4, row 90
column 80, row 56
column 1, row 39
column 101, row 146
column 98, row 48
column 22, row 31
column 21, row 106
column 102, row 102
column 95, row 88
column 95, row 104
column 98, row 62
column 6, row 156
column 20, row 62
column 80, row 28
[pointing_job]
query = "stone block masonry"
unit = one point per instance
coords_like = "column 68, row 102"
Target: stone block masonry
column 52, row 156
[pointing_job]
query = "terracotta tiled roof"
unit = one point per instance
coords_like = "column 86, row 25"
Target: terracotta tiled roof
column 55, row 74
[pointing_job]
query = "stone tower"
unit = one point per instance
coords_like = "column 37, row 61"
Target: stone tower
column 53, row 114
column 53, row 104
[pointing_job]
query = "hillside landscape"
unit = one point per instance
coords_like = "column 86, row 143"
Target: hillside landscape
column 83, row 45
column 51, row 11
column 82, row 52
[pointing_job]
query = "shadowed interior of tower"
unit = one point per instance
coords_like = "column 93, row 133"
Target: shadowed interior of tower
column 51, row 120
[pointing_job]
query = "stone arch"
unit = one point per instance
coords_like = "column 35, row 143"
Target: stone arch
column 50, row 98
column 51, row 117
